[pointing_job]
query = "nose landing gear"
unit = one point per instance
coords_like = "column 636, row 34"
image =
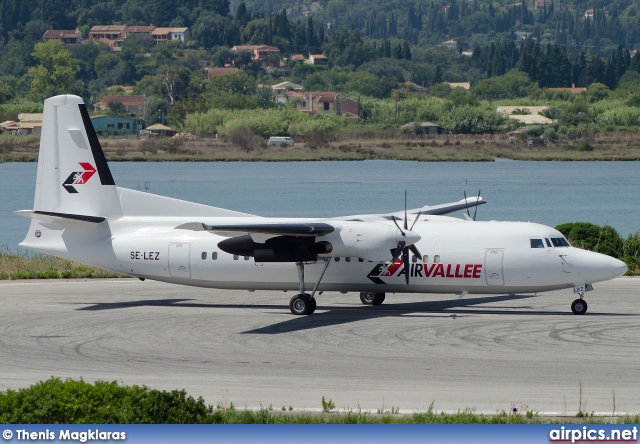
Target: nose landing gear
column 579, row 306
column 371, row 298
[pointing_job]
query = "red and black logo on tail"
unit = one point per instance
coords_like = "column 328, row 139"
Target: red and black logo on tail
column 79, row 177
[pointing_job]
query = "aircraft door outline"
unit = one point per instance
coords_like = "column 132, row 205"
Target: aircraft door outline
column 494, row 270
column 179, row 260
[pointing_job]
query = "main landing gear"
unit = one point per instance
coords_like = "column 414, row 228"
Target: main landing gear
column 371, row 298
column 304, row 303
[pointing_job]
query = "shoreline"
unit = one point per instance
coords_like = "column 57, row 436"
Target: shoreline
column 441, row 148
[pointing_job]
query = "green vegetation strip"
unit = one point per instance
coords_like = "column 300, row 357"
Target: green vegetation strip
column 21, row 265
column 78, row 402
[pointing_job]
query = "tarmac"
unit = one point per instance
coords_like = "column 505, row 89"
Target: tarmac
column 489, row 354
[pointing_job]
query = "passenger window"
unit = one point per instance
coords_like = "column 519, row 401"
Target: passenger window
column 360, row 259
column 236, row 257
column 436, row 258
column 414, row 259
column 337, row 259
column 204, row 255
column 546, row 239
column 537, row 243
column 214, row 255
column 425, row 258
column 246, row 258
column 347, row 259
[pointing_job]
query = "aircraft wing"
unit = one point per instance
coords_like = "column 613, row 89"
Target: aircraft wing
column 447, row 208
column 303, row 229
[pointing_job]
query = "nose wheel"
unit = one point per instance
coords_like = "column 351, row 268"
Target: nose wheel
column 579, row 306
column 302, row 304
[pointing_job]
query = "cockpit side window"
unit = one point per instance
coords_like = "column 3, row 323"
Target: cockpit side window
column 546, row 239
column 560, row 242
column 537, row 243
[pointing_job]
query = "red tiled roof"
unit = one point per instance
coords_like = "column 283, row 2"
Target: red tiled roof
column 318, row 56
column 144, row 29
column 571, row 90
column 213, row 72
column 322, row 96
column 61, row 33
column 132, row 100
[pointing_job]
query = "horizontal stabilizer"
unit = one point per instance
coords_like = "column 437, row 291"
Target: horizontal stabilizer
column 51, row 217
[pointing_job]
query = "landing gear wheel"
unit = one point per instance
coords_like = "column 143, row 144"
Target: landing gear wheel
column 579, row 307
column 302, row 304
column 371, row 298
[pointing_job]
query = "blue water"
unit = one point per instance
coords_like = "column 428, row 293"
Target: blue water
column 547, row 192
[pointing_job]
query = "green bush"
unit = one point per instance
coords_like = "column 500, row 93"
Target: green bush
column 588, row 236
column 77, row 402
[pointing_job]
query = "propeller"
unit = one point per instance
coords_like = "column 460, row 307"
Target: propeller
column 475, row 212
column 401, row 248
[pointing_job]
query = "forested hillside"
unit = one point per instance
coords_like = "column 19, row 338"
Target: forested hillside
column 386, row 55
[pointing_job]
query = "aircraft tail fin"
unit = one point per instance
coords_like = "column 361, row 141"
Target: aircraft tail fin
column 73, row 175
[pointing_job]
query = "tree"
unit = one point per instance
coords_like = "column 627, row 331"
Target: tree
column 56, row 73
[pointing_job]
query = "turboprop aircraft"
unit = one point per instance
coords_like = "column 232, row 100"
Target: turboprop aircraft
column 80, row 214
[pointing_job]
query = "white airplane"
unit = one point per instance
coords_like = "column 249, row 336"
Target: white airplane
column 80, row 214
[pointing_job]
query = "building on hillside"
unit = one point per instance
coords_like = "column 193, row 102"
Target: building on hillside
column 463, row 85
column 139, row 30
column 217, row 72
column 533, row 117
column 112, row 35
column 413, row 87
column 113, row 124
column 160, row 130
column 30, row 123
column 162, row 35
column 572, row 90
column 133, row 104
column 68, row 37
column 260, row 52
column 298, row 58
column 351, row 108
column 422, row 128
column 318, row 59
column 589, row 13
column 282, row 91
column 546, row 4
column 451, row 44
column 10, row 126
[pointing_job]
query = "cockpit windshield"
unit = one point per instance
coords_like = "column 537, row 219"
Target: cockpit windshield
column 537, row 243
column 560, row 242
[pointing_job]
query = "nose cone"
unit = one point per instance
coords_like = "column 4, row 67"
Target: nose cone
column 617, row 268
column 411, row 237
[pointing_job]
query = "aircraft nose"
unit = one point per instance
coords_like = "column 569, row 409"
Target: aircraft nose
column 617, row 268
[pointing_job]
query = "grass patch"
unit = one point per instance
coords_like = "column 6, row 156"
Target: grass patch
column 55, row 401
column 23, row 265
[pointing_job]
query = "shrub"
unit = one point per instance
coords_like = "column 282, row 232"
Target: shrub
column 588, row 236
column 77, row 402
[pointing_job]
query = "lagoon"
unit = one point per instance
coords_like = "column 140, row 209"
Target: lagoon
column 546, row 192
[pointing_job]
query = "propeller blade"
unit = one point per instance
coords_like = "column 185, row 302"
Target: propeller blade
column 415, row 251
column 465, row 203
column 398, row 251
column 416, row 219
column 475, row 212
column 405, row 261
column 395, row 222
column 405, row 210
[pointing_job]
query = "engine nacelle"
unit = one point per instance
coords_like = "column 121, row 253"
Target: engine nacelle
column 367, row 240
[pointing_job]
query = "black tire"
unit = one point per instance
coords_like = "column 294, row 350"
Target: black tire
column 371, row 298
column 302, row 304
column 313, row 305
column 579, row 307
